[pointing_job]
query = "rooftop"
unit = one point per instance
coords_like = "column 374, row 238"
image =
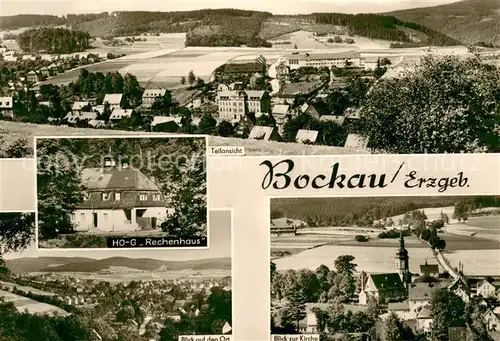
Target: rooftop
column 387, row 281
column 154, row 93
column 304, row 135
column 325, row 56
column 116, row 178
column 113, row 98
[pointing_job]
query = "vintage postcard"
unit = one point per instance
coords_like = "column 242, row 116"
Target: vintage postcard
column 121, row 192
column 260, row 78
column 385, row 268
column 114, row 294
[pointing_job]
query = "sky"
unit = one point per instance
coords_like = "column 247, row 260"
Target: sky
column 62, row 7
column 219, row 242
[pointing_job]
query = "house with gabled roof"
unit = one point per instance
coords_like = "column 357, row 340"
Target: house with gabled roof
column 431, row 270
column 383, row 288
column 306, row 136
column 119, row 198
column 264, row 133
column 118, row 114
column 114, row 100
column 337, row 119
column 6, row 106
column 79, row 106
column 491, row 320
column 400, row 309
column 32, row 77
column 424, row 320
column 151, row 95
column 460, row 288
column 487, row 288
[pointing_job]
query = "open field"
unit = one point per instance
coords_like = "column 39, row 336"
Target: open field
column 26, row 289
column 148, row 275
column 12, row 131
column 476, row 262
column 33, row 307
column 368, row 258
column 161, row 61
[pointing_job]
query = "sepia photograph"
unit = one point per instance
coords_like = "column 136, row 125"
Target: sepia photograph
column 123, row 192
column 385, row 268
column 147, row 295
column 315, row 78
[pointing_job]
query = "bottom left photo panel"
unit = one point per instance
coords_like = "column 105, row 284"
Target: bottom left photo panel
column 114, row 295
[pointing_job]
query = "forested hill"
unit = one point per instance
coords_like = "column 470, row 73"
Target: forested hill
column 470, row 21
column 385, row 27
column 232, row 27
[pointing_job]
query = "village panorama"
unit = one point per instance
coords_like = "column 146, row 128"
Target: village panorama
column 316, row 83
column 113, row 296
column 388, row 268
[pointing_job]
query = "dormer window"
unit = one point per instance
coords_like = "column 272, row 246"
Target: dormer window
column 85, row 196
column 157, row 197
column 143, row 197
column 105, row 196
column 118, row 196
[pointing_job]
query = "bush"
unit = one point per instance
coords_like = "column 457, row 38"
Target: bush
column 361, row 238
column 392, row 234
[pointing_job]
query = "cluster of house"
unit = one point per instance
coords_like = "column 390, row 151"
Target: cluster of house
column 235, row 104
column 59, row 64
column 410, row 300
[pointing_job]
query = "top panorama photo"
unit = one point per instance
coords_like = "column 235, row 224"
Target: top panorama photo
column 324, row 79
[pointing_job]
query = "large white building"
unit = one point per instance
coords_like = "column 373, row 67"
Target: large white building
column 119, row 199
column 151, row 95
column 318, row 60
column 234, row 105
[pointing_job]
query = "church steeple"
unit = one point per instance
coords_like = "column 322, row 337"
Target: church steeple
column 402, row 261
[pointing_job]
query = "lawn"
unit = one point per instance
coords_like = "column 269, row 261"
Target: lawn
column 24, row 132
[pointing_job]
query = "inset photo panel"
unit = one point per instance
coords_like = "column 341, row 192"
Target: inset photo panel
column 121, row 192
column 110, row 295
column 385, row 268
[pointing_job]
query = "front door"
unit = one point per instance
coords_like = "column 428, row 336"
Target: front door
column 95, row 219
column 153, row 222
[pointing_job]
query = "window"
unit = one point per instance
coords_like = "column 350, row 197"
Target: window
column 105, row 196
column 118, row 196
column 85, row 196
column 157, row 197
column 82, row 216
column 73, row 216
column 143, row 197
column 105, row 217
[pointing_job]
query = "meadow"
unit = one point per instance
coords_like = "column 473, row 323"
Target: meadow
column 14, row 131
column 368, row 258
column 23, row 303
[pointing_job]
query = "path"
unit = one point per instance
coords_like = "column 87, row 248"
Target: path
column 444, row 263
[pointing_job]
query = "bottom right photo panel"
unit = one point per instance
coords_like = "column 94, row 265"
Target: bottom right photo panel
column 385, row 268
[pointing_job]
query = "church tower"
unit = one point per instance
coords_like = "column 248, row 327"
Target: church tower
column 402, row 262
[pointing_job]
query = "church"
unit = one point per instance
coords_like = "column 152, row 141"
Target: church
column 388, row 287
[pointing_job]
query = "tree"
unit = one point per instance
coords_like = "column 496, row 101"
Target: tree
column 395, row 330
column 344, row 264
column 225, row 129
column 185, row 184
column 207, row 124
column 183, row 80
column 59, row 188
column 447, row 105
column 295, row 309
column 448, row 310
column 191, row 78
column 461, row 210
